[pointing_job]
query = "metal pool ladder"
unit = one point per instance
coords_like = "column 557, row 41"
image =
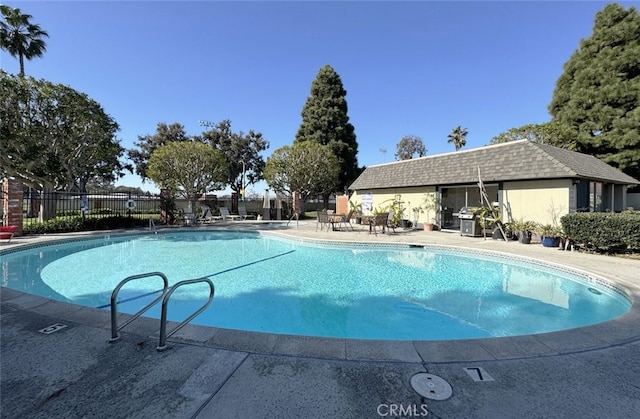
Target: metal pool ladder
column 166, row 294
column 152, row 225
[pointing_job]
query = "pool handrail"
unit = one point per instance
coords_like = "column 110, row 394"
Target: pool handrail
column 115, row 336
column 162, row 344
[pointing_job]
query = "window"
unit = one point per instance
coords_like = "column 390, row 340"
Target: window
column 595, row 196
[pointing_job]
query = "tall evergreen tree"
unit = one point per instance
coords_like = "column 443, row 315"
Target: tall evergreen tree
column 325, row 121
column 551, row 132
column 598, row 94
column 19, row 37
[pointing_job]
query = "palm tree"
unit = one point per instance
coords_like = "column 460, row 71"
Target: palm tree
column 458, row 137
column 19, row 37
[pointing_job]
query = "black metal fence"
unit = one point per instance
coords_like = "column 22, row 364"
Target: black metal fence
column 39, row 207
column 60, row 205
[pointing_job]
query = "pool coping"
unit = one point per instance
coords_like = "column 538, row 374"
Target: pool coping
column 619, row 331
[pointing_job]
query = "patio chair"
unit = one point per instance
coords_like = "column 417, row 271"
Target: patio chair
column 242, row 210
column 391, row 225
column 224, row 212
column 324, row 219
column 189, row 217
column 380, row 220
column 346, row 220
column 7, row 232
column 207, row 216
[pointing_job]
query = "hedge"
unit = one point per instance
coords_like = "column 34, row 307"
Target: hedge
column 65, row 225
column 604, row 231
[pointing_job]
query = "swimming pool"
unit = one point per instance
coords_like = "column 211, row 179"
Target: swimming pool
column 270, row 284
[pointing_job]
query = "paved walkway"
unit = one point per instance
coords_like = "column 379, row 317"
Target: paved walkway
column 591, row 372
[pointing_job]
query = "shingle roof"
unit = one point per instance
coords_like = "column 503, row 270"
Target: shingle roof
column 515, row 160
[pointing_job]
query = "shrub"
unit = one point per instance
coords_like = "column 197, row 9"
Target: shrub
column 56, row 225
column 68, row 213
column 66, row 225
column 101, row 211
column 604, row 232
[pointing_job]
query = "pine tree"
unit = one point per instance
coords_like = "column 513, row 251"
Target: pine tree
column 325, row 121
column 598, row 94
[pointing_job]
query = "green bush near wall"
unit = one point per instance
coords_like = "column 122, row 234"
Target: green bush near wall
column 69, row 213
column 70, row 224
column 604, row 231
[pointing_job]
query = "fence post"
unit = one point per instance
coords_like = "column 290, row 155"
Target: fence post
column 12, row 203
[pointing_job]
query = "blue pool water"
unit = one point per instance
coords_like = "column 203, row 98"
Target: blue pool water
column 269, row 284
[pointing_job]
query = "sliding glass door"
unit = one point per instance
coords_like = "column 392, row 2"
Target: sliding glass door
column 456, row 197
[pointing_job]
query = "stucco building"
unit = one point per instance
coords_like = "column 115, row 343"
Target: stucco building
column 528, row 180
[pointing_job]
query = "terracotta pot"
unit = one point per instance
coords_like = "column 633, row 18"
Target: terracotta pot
column 428, row 226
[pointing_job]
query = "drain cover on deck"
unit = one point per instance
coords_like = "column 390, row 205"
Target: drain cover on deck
column 431, row 386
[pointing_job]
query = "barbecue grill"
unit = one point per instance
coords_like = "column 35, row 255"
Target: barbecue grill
column 470, row 222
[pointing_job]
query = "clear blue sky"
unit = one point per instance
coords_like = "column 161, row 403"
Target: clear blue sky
column 418, row 68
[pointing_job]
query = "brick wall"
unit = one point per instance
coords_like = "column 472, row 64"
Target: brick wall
column 12, row 204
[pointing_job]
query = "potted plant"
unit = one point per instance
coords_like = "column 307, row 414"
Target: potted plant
column 399, row 218
column 508, row 231
column 356, row 212
column 395, row 206
column 489, row 218
column 549, row 235
column 428, row 204
column 523, row 229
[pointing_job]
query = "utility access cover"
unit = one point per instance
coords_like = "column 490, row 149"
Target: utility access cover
column 431, row 386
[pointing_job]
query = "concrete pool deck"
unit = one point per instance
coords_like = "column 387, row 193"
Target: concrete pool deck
column 207, row 372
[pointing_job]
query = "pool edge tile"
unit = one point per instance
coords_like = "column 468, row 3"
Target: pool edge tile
column 28, row 301
column 7, row 294
column 90, row 317
column 237, row 340
column 57, row 309
column 195, row 333
column 309, row 346
column 569, row 341
column 452, row 351
column 381, row 350
column 515, row 347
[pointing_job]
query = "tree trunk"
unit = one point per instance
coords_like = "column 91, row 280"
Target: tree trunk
column 325, row 199
column 48, row 204
column 301, row 207
column 21, row 65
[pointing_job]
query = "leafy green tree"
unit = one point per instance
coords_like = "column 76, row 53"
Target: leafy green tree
column 408, row 146
column 188, row 169
column 308, row 168
column 598, row 94
column 553, row 133
column 147, row 144
column 19, row 37
column 458, row 137
column 134, row 190
column 242, row 152
column 325, row 121
column 53, row 137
